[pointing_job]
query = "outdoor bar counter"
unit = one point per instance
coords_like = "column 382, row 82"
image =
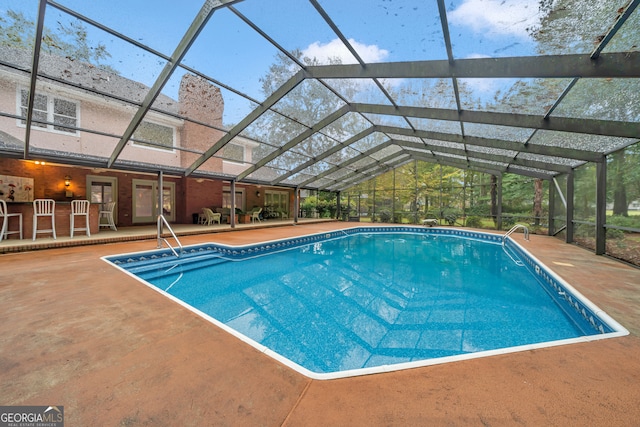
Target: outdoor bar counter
column 63, row 221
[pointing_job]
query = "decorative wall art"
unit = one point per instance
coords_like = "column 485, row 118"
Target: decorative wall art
column 16, row 189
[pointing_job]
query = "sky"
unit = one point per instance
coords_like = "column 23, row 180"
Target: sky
column 231, row 52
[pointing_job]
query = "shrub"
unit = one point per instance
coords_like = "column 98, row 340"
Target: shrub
column 538, row 229
column 385, row 216
column 474, row 222
column 584, row 230
column 479, row 210
column 508, row 222
column 450, row 215
column 451, row 218
column 613, row 233
column 624, row 221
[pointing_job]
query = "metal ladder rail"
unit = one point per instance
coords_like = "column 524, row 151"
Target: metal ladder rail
column 514, row 228
column 515, row 261
column 507, row 234
column 161, row 220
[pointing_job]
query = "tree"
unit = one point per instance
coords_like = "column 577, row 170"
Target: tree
column 585, row 192
column 66, row 40
column 537, row 200
column 517, row 193
column 620, row 205
column 623, row 173
column 303, row 107
column 494, row 199
column 632, row 155
column 582, row 26
column 434, row 93
column 429, row 185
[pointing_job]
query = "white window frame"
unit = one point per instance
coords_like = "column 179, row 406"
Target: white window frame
column 50, row 126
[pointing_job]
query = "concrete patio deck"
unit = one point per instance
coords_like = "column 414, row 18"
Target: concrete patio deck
column 140, row 232
column 77, row 332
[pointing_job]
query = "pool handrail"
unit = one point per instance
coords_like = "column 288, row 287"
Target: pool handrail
column 514, row 228
column 161, row 220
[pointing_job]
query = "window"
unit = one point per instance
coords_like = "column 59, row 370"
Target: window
column 60, row 114
column 234, row 153
column 155, row 135
column 277, row 202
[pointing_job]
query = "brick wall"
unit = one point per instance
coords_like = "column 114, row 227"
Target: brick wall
column 200, row 193
column 191, row 194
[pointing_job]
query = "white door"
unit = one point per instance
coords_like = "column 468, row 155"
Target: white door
column 145, row 196
column 102, row 190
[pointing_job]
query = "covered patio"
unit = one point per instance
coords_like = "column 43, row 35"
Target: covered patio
column 143, row 232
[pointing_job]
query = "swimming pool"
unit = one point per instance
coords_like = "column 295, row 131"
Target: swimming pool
column 375, row 299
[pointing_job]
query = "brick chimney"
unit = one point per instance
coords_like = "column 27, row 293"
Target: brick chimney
column 202, row 102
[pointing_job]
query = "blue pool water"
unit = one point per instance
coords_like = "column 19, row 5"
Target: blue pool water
column 360, row 300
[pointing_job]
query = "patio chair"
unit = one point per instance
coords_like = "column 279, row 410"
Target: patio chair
column 430, row 222
column 79, row 208
column 255, row 214
column 202, row 219
column 44, row 208
column 5, row 215
column 211, row 216
column 225, row 213
column 107, row 213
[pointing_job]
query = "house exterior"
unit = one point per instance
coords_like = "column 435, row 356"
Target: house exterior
column 81, row 110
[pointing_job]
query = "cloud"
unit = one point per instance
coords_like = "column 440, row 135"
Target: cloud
column 336, row 49
column 482, row 85
column 477, row 85
column 497, row 17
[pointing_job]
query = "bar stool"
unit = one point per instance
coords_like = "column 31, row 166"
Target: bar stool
column 107, row 213
column 44, row 207
column 80, row 208
column 5, row 215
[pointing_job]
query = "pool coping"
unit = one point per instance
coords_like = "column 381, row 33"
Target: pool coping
column 547, row 277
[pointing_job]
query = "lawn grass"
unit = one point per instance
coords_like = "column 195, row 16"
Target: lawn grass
column 631, row 213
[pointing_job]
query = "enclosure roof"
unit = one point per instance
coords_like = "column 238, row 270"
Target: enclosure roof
column 321, row 94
